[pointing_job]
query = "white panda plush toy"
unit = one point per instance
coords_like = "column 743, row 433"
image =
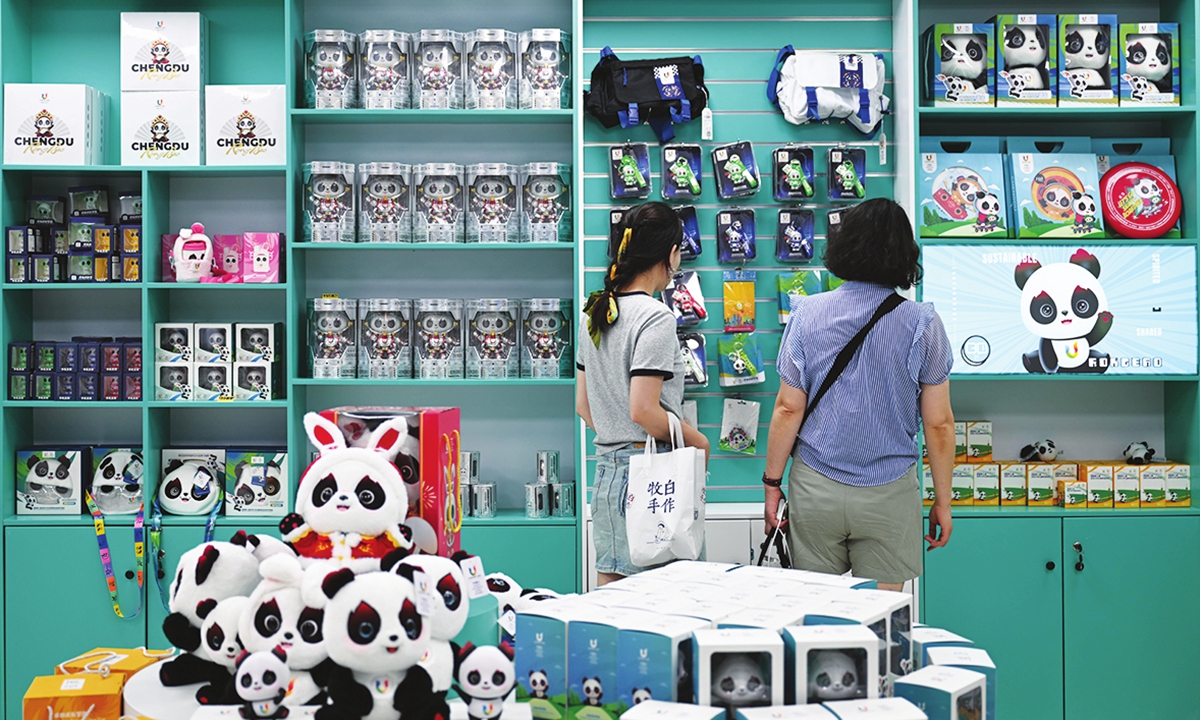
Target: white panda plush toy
column 965, row 56
column 117, row 483
column 485, row 676
column 351, row 501
column 1086, row 47
column 219, row 641
column 262, row 681
column 504, row 589
column 1139, row 453
column 376, row 637
column 834, row 675
column 206, row 575
column 278, row 617
column 1040, row 451
column 1024, row 46
column 1148, row 56
column 188, row 487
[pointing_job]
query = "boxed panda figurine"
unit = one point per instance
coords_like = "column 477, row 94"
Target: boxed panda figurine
column 960, row 64
column 593, row 662
column 490, row 67
column 734, row 668
column 545, row 56
column 385, row 202
column 173, row 343
column 329, row 202
column 245, row 125
column 330, row 70
column 192, row 480
column 438, row 338
column 541, row 655
column 437, row 72
column 212, row 381
column 173, row 381
column 1026, row 60
column 257, row 342
column 946, row 693
column 492, row 203
column 874, row 615
column 899, row 628
column 492, row 330
column 655, row 659
column 1087, row 66
column 385, row 338
column 973, row 659
column 53, row 124
column 546, row 338
column 830, row 662
column 785, row 712
column 49, row 481
column 1149, row 63
column 332, row 337
column 253, row 381
column 439, row 203
column 963, row 188
column 213, row 342
column 1054, row 192
column 256, row 482
column 546, row 202
column 164, row 51
column 116, row 480
column 384, row 71
column 162, row 129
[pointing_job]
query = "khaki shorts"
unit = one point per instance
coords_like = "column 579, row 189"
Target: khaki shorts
column 874, row 531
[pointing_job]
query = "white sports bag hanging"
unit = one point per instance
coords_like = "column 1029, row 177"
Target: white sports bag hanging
column 664, row 509
column 817, row 86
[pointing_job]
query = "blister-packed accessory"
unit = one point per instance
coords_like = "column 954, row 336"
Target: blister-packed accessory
column 740, row 361
column 681, row 172
column 693, row 347
column 847, row 173
column 739, row 300
column 794, row 235
column 797, row 284
column 793, row 171
column 736, row 235
column 739, row 426
column 735, row 170
column 816, row 86
column 691, row 248
column 685, row 299
column 629, row 170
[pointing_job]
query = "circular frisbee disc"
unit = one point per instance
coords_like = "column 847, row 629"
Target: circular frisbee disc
column 1139, row 200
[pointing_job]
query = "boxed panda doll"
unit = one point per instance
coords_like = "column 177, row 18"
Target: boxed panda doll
column 1026, row 60
column 655, row 659
column 830, row 662
column 960, row 64
column 256, row 482
column 738, row 667
column 946, row 693
column 1149, row 63
column 593, row 662
column 541, row 655
column 963, row 191
column 1054, row 188
column 1087, row 65
column 192, row 480
column 50, row 480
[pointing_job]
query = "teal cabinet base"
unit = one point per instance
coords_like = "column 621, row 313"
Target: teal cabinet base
column 546, row 556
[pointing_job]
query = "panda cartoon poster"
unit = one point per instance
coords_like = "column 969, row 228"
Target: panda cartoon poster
column 1116, row 310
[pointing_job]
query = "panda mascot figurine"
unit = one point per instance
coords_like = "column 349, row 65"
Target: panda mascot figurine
column 219, row 641
column 207, row 574
column 278, row 617
column 351, row 501
column 262, row 681
column 485, row 676
column 1064, row 305
column 376, row 637
column 1139, row 453
column 1040, row 451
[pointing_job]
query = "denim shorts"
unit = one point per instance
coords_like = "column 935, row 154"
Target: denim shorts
column 609, row 536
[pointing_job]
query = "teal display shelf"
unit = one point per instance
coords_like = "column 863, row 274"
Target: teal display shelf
column 1072, row 377
column 516, row 518
column 222, row 404
column 1025, row 242
column 433, row 247
column 433, row 117
column 221, row 171
column 1053, row 114
column 258, row 523
column 82, row 169
column 448, row 382
column 73, row 286
column 971, row 511
column 218, row 287
column 72, row 403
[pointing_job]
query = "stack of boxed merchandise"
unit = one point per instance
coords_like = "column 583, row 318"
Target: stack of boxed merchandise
column 217, row 361
column 86, row 368
column 77, row 238
column 52, row 124
column 164, row 64
column 719, row 636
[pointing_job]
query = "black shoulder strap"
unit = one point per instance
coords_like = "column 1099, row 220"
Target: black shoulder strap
column 890, row 303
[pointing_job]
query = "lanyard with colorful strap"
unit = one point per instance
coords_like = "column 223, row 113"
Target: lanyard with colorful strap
column 110, row 577
column 157, row 555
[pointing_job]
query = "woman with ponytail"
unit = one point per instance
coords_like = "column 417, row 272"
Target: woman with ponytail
column 630, row 370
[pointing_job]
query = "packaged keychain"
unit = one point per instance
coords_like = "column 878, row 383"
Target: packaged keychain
column 681, row 172
column 695, row 356
column 690, row 413
column 683, row 296
column 794, row 236
column 735, row 235
column 847, row 173
column 793, row 172
column 616, row 217
column 629, row 170
column 691, row 232
column 739, row 426
column 740, row 360
column 833, row 218
column 735, row 170
column 802, row 283
column 739, row 300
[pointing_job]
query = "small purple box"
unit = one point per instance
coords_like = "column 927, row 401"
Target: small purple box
column 87, row 386
column 66, row 357
column 89, row 357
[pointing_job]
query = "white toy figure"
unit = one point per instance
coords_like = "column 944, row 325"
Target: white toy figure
column 375, row 637
column 188, row 487
column 833, row 675
column 1042, row 450
column 1139, row 453
column 1148, row 56
column 504, row 589
column 117, row 483
column 351, row 501
column 192, row 254
column 1024, row 46
column 485, row 677
column 262, row 680
column 539, row 684
column 738, row 682
column 328, row 66
column 964, row 56
column 220, row 643
column 1086, row 47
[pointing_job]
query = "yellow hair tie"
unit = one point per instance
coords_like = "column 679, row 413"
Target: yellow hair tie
column 624, row 243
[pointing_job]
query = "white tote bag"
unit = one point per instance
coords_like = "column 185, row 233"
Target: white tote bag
column 664, row 508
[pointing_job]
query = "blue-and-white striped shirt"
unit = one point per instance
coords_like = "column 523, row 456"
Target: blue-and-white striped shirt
column 863, row 432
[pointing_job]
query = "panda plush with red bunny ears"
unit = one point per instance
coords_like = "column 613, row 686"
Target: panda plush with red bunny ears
column 351, row 501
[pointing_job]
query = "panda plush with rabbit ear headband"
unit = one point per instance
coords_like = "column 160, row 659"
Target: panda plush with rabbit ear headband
column 206, row 575
column 351, row 502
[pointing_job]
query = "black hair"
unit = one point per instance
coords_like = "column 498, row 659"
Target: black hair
column 655, row 232
column 874, row 243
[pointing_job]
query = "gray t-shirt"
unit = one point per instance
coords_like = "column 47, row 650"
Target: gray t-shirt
column 642, row 342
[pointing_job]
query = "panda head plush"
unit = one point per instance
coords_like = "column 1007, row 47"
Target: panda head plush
column 1024, row 46
column 446, row 578
column 964, row 56
column 50, row 481
column 1086, row 47
column 219, row 633
column 117, row 482
column 277, row 615
column 641, row 695
column 506, row 590
column 1040, row 451
column 1062, row 301
column 1148, row 56
column 188, row 487
column 210, row 573
column 1139, row 453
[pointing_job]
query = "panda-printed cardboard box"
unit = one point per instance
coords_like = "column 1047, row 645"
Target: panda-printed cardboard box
column 592, row 659
column 786, row 712
column 972, row 659
column 738, row 667
column 254, row 382
column 49, row 481
column 1041, row 485
column 256, row 482
column 1055, row 186
column 212, row 382
column 173, row 343
column 962, row 484
column 881, row 709
column 770, row 618
column 946, row 693
column 1026, row 60
column 1126, row 486
column 1098, row 476
column 1145, row 196
column 257, row 342
column 1149, row 64
column 1179, row 486
column 1013, row 487
column 960, row 64
column 1087, row 60
column 986, row 483
column 654, row 659
column 1153, row 481
column 874, row 615
column 541, row 655
column 213, row 342
column 963, row 189
column 925, row 638
column 830, row 662
column 661, row 710
column 173, row 381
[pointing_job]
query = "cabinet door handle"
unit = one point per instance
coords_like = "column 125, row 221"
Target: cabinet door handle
column 1079, row 549
column 1050, row 565
column 128, row 574
column 1079, row 566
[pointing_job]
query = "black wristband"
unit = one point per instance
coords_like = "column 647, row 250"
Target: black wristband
column 772, row 482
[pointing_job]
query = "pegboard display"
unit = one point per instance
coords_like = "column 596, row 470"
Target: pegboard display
column 737, row 53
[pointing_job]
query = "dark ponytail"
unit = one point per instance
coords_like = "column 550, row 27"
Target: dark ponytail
column 648, row 234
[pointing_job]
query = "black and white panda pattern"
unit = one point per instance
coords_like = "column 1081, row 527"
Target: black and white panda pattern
column 1040, row 451
column 1064, row 305
column 449, row 616
column 188, row 487
column 539, row 684
column 593, row 690
column 956, row 87
column 1085, row 213
column 262, row 680
column 220, row 644
column 1139, row 453
column 641, row 695
column 484, row 677
column 988, row 208
column 48, row 481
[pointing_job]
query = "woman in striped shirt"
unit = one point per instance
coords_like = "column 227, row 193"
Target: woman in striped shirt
column 854, row 491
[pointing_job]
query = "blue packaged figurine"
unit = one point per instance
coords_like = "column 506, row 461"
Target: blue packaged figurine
column 847, row 173
column 629, row 170
column 681, row 172
column 691, row 232
column 794, row 238
column 793, row 173
column 735, row 235
column 735, row 170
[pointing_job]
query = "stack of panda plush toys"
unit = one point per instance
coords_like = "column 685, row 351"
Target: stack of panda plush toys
column 344, row 613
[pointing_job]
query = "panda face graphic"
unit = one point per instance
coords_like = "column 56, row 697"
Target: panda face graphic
column 543, row 187
column 592, row 691
column 988, row 204
column 49, row 481
column 490, row 55
column 544, row 54
column 174, row 377
column 1062, row 301
column 328, row 55
column 384, row 188
column 544, row 322
column 1147, row 189
column 438, row 55
column 384, row 55
column 492, row 187
column 336, row 321
column 641, row 695
column 1086, row 46
column 1024, row 45
column 328, row 186
column 160, row 129
column 539, row 683
column 1083, row 205
column 1147, row 56
column 437, row 322
column 963, row 55
column 1056, row 201
column 440, row 187
column 493, row 322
